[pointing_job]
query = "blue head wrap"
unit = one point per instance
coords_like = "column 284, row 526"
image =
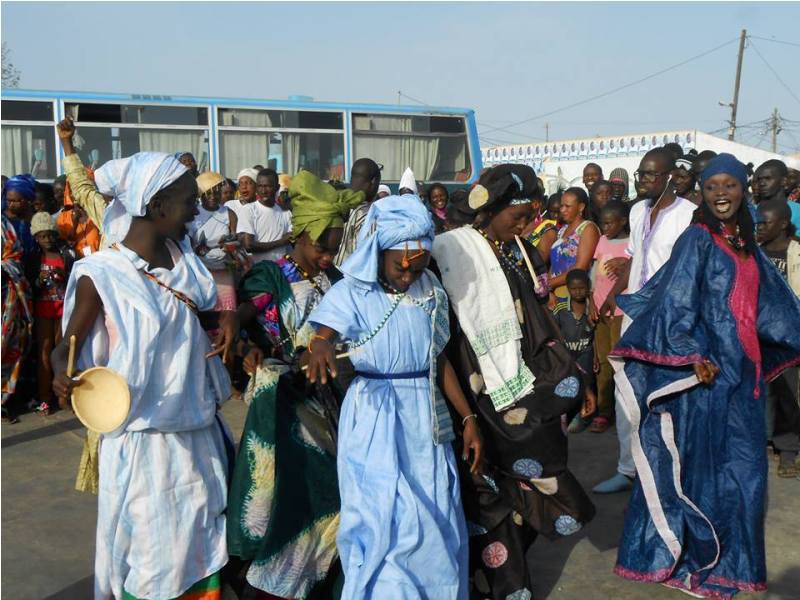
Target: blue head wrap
column 24, row 185
column 390, row 224
column 133, row 182
column 725, row 163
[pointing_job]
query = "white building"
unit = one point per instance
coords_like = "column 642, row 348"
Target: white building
column 560, row 163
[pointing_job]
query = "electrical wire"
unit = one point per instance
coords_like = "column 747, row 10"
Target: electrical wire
column 774, row 72
column 402, row 95
column 613, row 91
column 755, row 37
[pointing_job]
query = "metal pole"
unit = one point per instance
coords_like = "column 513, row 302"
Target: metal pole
column 547, row 132
column 735, row 104
column 775, row 130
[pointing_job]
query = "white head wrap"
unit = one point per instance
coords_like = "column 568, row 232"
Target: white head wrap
column 251, row 173
column 133, row 182
column 408, row 181
column 384, row 188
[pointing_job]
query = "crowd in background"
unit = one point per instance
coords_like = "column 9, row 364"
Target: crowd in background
column 266, row 235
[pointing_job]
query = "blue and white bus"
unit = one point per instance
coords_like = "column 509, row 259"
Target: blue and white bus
column 226, row 135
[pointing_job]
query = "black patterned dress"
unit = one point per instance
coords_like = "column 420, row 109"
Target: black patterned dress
column 526, row 488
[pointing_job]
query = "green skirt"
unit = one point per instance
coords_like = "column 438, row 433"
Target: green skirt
column 283, row 505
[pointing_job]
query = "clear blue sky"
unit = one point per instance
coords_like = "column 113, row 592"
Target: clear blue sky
column 508, row 61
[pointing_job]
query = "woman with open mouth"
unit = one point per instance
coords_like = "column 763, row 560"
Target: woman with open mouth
column 709, row 330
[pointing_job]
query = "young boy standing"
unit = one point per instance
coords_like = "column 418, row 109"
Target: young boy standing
column 572, row 317
column 609, row 259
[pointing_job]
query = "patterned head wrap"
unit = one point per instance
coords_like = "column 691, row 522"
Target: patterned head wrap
column 725, row 163
column 133, row 182
column 316, row 205
column 392, row 223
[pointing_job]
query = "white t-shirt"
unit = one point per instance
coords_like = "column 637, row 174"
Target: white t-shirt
column 650, row 247
column 265, row 225
column 236, row 206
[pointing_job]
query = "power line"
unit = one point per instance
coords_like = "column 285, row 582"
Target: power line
column 402, row 95
column 774, row 72
column 755, row 37
column 615, row 90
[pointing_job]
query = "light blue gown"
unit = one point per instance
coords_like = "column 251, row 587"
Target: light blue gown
column 402, row 533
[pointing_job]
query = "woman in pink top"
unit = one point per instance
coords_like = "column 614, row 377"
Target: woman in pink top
column 609, row 257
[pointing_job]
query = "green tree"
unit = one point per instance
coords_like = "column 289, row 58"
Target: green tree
column 10, row 72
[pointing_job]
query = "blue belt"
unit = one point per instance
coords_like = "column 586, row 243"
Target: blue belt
column 409, row 375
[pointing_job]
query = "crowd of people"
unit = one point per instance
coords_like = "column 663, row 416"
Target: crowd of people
column 414, row 364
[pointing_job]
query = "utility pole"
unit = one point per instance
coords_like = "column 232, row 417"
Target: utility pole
column 546, row 132
column 735, row 104
column 775, row 124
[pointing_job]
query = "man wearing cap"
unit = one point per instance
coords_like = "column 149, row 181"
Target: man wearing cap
column 619, row 184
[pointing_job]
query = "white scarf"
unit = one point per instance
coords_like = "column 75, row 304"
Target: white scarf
column 482, row 301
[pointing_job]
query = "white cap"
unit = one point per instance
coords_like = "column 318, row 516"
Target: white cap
column 408, row 181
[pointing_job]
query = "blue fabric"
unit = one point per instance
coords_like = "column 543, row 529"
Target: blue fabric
column 725, row 163
column 401, row 507
column 794, row 208
column 390, row 223
column 24, row 185
column 702, row 445
column 412, row 375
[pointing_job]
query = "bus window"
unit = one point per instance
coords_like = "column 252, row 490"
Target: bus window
column 435, row 147
column 284, row 140
column 98, row 144
column 28, row 139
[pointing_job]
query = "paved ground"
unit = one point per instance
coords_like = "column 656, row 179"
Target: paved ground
column 48, row 528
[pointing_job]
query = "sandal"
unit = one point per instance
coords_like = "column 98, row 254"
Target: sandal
column 599, row 424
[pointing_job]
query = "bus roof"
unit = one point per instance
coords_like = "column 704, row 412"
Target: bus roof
column 301, row 102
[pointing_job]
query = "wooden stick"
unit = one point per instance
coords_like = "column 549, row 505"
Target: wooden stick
column 338, row 356
column 71, row 358
column 537, row 286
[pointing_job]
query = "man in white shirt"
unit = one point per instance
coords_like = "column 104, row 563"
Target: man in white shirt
column 247, row 190
column 656, row 224
column 265, row 228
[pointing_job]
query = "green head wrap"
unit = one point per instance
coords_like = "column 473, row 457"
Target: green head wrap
column 316, row 206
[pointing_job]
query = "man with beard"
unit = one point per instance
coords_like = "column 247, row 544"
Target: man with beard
column 656, row 224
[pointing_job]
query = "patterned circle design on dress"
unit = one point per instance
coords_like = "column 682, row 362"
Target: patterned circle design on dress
column 523, row 594
column 568, row 387
column 494, row 555
column 528, row 467
column 566, row 525
column 474, row 529
column 515, row 416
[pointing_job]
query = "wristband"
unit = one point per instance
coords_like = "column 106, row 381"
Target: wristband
column 464, row 420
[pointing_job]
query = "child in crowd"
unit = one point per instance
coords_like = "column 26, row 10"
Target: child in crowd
column 49, row 268
column 775, row 235
column 609, row 260
column 577, row 330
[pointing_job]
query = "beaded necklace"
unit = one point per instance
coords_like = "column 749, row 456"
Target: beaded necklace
column 305, row 275
column 504, row 254
column 735, row 239
column 423, row 304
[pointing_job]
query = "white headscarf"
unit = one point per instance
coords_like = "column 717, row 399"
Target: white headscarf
column 251, row 173
column 408, row 181
column 133, row 182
